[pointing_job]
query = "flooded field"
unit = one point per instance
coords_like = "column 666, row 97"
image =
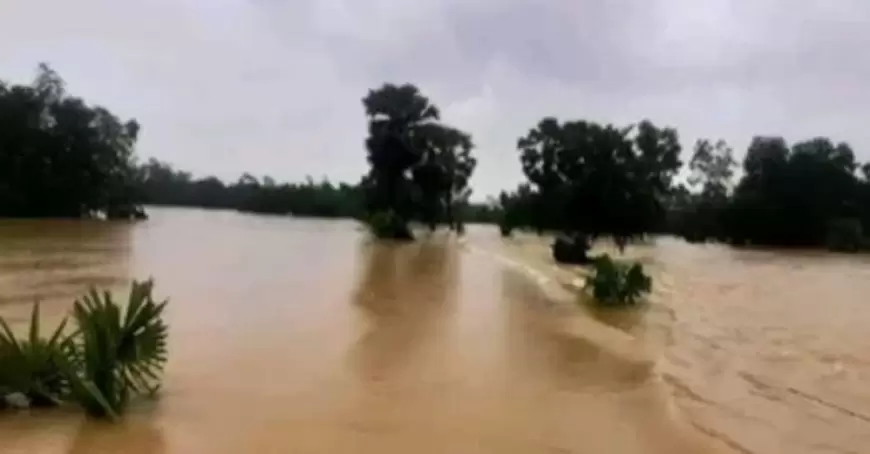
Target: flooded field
column 303, row 336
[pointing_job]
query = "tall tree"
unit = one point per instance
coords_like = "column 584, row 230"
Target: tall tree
column 60, row 157
column 712, row 166
column 600, row 180
column 418, row 165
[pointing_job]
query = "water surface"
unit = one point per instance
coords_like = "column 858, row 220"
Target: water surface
column 304, row 336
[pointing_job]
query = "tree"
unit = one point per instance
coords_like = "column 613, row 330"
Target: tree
column 418, row 166
column 60, row 157
column 712, row 167
column 599, row 180
column 540, row 151
column 791, row 197
column 450, row 154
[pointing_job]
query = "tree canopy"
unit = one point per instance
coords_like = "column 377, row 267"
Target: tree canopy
column 419, row 167
column 60, row 157
column 595, row 179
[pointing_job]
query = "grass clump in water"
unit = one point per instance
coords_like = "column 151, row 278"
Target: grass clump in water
column 617, row 284
column 113, row 355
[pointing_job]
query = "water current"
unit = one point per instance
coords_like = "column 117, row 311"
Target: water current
column 292, row 335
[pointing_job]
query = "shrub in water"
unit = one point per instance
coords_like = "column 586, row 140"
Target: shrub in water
column 119, row 353
column 572, row 249
column 505, row 229
column 388, row 225
column 615, row 284
column 113, row 354
column 33, row 367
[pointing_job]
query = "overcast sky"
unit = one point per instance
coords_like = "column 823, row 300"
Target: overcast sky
column 274, row 86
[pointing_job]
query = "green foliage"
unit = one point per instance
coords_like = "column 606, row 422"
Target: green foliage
column 616, row 284
column 33, row 366
column 807, row 194
column 60, row 157
column 115, row 353
column 419, row 167
column 120, row 352
column 600, row 180
column 572, row 249
column 388, row 225
column 518, row 209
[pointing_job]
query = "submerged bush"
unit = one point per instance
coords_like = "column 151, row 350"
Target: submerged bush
column 505, row 229
column 571, row 250
column 119, row 352
column 33, row 367
column 113, row 355
column 614, row 284
column 388, row 225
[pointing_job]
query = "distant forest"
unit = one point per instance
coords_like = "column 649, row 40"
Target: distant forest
column 60, row 157
column 160, row 184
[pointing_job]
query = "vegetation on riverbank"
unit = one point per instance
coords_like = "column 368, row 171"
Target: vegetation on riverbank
column 587, row 180
column 60, row 157
column 161, row 184
column 811, row 194
column 112, row 355
column 601, row 179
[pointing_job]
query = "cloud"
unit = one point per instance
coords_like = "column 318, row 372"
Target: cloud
column 274, row 86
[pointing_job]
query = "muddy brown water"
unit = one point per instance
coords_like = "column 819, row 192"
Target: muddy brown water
column 303, row 336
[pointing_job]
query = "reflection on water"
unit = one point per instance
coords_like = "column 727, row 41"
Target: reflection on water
column 97, row 437
column 303, row 336
column 403, row 294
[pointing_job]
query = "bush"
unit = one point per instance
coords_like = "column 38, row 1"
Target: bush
column 119, row 354
column 571, row 250
column 388, row 225
column 113, row 354
column 33, row 367
column 505, row 229
column 614, row 284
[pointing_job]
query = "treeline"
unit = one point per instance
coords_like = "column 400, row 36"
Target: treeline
column 60, row 157
column 160, row 184
column 590, row 179
column 812, row 193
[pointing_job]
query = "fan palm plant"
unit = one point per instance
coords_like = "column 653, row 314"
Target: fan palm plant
column 117, row 353
column 33, row 366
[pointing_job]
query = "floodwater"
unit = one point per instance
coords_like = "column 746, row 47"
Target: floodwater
column 303, row 336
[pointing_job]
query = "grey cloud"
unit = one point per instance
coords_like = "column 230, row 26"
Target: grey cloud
column 274, row 86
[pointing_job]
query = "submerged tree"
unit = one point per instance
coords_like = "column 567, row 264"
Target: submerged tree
column 791, row 196
column 60, row 157
column 594, row 180
column 419, row 167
